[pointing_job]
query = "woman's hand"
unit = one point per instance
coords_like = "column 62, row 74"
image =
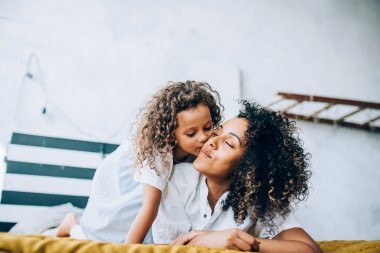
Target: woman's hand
column 234, row 239
column 186, row 238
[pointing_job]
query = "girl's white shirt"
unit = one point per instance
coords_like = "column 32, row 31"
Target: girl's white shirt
column 158, row 179
column 116, row 195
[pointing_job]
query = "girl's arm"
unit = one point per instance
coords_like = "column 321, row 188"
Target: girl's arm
column 146, row 215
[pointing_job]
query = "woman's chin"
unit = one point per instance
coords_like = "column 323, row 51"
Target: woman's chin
column 199, row 164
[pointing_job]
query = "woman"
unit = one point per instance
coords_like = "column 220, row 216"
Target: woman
column 251, row 170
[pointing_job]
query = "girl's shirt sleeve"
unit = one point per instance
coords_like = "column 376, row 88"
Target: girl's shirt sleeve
column 147, row 175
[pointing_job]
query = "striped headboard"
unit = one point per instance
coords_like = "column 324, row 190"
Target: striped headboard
column 47, row 171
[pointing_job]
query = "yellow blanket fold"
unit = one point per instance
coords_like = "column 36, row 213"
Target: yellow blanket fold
column 40, row 243
column 353, row 246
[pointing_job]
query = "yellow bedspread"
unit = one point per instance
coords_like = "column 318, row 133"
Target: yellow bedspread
column 39, row 243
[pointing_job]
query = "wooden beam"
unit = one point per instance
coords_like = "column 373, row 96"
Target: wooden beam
column 313, row 98
column 333, row 122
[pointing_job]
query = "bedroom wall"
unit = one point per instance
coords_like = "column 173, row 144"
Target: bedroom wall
column 98, row 57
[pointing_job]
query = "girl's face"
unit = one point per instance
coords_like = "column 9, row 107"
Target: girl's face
column 194, row 127
column 222, row 151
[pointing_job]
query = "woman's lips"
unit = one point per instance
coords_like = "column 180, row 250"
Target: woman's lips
column 206, row 153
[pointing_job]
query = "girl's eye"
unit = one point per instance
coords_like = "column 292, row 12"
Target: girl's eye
column 190, row 135
column 207, row 128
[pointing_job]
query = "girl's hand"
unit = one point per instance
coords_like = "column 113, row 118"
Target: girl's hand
column 186, row 238
column 234, row 239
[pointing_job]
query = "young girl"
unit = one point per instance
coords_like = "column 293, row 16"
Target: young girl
column 124, row 202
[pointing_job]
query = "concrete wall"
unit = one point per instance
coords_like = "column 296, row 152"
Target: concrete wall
column 100, row 59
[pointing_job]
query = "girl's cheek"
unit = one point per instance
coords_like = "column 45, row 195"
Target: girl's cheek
column 208, row 136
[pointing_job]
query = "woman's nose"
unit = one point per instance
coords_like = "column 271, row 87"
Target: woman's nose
column 212, row 142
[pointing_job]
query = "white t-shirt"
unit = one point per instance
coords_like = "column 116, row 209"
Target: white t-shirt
column 184, row 207
column 116, row 195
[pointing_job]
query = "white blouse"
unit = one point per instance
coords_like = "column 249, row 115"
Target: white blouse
column 184, row 207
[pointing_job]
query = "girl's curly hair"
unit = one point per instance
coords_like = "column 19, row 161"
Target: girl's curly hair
column 158, row 120
column 273, row 171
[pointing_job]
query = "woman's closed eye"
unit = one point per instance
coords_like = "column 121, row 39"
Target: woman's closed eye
column 229, row 143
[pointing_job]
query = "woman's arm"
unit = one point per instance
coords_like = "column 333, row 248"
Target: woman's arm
column 288, row 241
column 145, row 216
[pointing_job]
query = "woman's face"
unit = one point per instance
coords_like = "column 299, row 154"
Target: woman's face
column 222, row 151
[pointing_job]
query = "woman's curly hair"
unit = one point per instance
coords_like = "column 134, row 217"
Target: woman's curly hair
column 158, row 120
column 273, row 171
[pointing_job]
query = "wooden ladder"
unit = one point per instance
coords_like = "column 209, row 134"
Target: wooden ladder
column 290, row 103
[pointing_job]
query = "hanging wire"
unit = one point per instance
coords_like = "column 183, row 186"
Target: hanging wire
column 48, row 102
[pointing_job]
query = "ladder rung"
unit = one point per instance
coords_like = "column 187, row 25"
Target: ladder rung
column 349, row 114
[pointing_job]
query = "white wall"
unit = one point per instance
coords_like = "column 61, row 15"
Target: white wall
column 97, row 56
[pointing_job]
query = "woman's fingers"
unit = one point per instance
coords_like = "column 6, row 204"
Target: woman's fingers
column 174, row 242
column 232, row 247
column 233, row 239
column 242, row 240
column 242, row 245
column 181, row 240
column 184, row 239
column 246, row 237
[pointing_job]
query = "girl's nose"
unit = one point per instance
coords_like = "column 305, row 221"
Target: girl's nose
column 203, row 137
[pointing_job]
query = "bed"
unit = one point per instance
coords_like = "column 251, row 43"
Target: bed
column 47, row 171
column 36, row 165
